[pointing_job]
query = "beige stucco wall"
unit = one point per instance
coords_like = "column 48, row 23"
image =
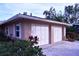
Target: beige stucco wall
column 11, row 29
column 64, row 33
column 26, row 30
column 11, row 32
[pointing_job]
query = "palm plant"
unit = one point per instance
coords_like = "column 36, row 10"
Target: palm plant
column 50, row 14
column 46, row 13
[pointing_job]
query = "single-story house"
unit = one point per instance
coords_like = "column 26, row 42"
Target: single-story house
column 23, row 26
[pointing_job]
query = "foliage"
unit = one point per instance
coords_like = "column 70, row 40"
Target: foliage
column 3, row 37
column 71, row 13
column 51, row 14
column 76, row 27
column 69, row 9
column 71, row 16
column 19, row 47
column 76, row 9
column 70, row 29
column 59, row 18
column 72, row 34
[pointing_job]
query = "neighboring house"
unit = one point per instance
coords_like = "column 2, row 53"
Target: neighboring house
column 23, row 26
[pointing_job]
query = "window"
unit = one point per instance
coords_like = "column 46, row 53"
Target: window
column 17, row 33
column 18, row 30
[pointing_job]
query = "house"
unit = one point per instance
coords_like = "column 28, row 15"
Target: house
column 22, row 26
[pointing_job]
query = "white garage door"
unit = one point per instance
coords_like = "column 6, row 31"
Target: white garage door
column 42, row 32
column 57, row 34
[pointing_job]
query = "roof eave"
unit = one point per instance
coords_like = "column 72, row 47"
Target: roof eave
column 33, row 18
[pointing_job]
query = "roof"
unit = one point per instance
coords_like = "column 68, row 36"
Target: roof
column 34, row 18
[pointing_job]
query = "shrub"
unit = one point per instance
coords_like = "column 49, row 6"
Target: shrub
column 3, row 37
column 70, row 29
column 77, row 38
column 71, row 34
column 16, row 47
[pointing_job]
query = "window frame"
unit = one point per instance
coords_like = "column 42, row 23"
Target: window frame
column 18, row 30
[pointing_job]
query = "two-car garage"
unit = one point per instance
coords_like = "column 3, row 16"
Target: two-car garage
column 47, row 31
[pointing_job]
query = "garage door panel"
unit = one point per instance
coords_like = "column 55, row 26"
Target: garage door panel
column 42, row 32
column 33, row 30
column 57, row 34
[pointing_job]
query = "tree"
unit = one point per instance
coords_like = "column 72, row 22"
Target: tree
column 69, row 9
column 59, row 18
column 50, row 14
column 46, row 13
column 76, row 8
column 76, row 11
column 69, row 12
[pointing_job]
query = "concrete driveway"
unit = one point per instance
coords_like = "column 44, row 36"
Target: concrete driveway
column 63, row 48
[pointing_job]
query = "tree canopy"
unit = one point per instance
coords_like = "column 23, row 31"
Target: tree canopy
column 71, row 14
column 52, row 15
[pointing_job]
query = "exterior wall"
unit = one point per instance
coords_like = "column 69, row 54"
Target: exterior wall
column 26, row 30
column 52, row 35
column 11, row 28
column 64, row 33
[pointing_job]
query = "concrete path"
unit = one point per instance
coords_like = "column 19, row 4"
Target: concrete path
column 63, row 48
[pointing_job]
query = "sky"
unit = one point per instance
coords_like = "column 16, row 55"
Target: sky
column 8, row 10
